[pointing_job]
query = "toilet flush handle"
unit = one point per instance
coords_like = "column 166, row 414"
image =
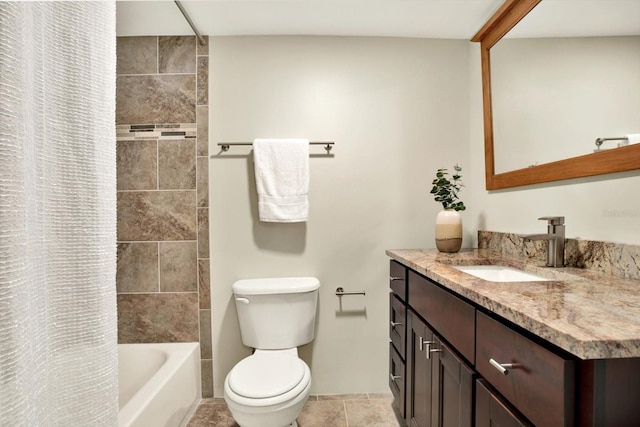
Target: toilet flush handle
column 243, row 300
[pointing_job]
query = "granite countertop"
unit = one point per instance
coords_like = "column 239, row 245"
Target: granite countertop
column 589, row 314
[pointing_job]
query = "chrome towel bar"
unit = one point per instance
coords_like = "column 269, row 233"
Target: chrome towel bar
column 599, row 141
column 224, row 146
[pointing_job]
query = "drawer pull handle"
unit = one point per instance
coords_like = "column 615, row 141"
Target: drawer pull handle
column 394, row 278
column 394, row 377
column 394, row 324
column 503, row 368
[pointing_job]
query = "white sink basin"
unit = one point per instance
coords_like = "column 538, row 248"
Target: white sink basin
column 499, row 273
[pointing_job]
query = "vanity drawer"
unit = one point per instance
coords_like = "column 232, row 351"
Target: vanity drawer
column 450, row 316
column 397, row 323
column 398, row 279
column 397, row 373
column 541, row 382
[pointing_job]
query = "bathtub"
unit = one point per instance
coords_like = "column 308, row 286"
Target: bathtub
column 159, row 384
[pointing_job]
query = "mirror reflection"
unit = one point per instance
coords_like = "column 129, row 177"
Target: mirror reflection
column 553, row 97
column 549, row 154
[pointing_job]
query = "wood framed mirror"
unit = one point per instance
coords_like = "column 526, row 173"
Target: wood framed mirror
column 620, row 159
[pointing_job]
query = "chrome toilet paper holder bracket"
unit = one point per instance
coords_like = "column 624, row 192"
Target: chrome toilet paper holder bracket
column 341, row 292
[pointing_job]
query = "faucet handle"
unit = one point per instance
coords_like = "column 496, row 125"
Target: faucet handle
column 553, row 220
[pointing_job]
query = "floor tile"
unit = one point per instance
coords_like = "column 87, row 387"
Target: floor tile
column 360, row 396
column 349, row 410
column 327, row 413
column 373, row 396
column 371, row 413
column 212, row 415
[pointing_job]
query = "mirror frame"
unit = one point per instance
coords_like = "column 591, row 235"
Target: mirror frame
column 616, row 160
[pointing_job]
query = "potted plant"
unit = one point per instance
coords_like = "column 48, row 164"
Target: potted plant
column 448, row 221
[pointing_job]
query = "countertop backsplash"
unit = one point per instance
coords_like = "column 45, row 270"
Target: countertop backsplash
column 620, row 260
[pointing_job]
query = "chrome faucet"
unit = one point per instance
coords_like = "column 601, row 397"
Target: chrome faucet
column 554, row 238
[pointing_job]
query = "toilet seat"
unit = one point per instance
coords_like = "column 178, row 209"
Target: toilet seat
column 266, row 374
column 267, row 378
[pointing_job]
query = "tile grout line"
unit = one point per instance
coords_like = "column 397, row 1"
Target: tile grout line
column 157, row 165
column 195, row 148
column 158, row 247
column 344, row 408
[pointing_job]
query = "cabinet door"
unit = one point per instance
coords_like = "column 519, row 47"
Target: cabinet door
column 420, row 371
column 453, row 394
column 491, row 411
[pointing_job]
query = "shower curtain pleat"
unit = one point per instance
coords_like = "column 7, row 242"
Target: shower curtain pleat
column 58, row 328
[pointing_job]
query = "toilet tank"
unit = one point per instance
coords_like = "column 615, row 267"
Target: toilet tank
column 276, row 313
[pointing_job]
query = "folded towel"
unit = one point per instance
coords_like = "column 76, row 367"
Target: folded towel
column 282, row 179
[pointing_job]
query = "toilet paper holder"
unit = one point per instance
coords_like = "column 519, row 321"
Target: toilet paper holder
column 340, row 292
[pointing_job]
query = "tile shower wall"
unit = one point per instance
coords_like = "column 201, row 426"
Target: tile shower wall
column 163, row 228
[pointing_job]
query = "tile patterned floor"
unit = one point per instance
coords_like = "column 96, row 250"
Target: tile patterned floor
column 345, row 410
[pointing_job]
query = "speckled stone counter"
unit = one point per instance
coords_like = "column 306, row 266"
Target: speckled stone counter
column 589, row 314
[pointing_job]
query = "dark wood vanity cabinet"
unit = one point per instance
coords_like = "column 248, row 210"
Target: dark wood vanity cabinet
column 419, row 373
column 440, row 370
column 440, row 384
column 492, row 411
column 455, row 363
column 455, row 395
column 539, row 378
column 398, row 333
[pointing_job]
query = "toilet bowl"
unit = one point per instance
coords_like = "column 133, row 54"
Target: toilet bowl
column 268, row 388
column 276, row 315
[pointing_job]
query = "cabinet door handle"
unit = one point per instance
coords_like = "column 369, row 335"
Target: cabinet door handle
column 394, row 278
column 425, row 343
column 503, row 368
column 394, row 324
column 394, row 377
column 433, row 350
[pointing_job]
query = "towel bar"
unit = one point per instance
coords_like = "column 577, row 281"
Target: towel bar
column 599, row 141
column 224, row 146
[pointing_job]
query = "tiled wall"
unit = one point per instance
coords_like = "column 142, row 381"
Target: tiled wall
column 163, row 216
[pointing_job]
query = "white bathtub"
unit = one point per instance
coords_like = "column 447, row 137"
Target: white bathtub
column 159, row 384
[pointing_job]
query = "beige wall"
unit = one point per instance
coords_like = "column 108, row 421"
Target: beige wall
column 397, row 110
column 603, row 208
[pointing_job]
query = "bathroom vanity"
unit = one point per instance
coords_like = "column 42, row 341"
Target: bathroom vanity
column 562, row 350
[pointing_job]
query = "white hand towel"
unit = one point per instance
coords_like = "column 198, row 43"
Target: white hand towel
column 282, row 179
column 633, row 138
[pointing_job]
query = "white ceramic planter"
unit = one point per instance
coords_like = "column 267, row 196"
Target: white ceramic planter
column 448, row 231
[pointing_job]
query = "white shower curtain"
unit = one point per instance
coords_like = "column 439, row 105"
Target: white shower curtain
column 58, row 354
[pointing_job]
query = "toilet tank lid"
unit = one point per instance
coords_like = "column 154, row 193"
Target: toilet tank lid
column 275, row 285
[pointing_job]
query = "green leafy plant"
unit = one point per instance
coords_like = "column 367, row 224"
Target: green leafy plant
column 445, row 191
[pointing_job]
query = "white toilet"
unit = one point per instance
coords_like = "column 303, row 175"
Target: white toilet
column 270, row 387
